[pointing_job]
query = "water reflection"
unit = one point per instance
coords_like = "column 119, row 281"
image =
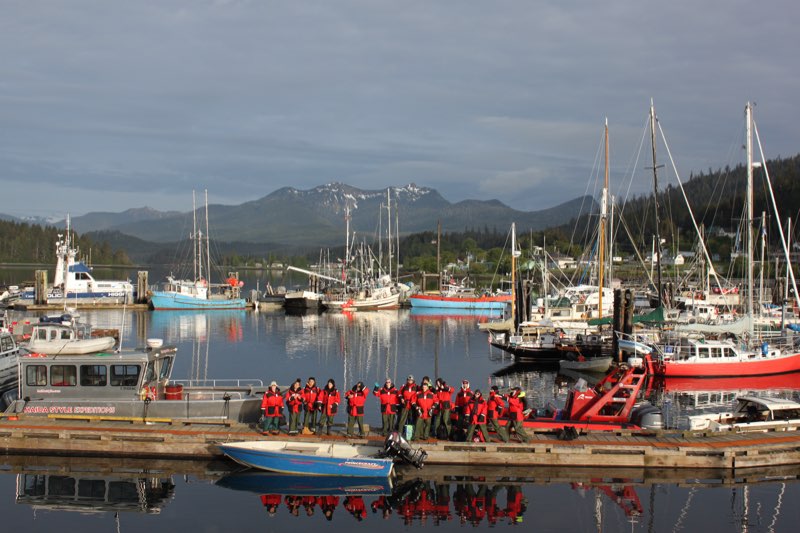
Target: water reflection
column 89, row 493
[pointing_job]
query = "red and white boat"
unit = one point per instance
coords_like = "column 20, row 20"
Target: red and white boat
column 723, row 358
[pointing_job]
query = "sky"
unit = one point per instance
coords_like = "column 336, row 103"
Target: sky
column 107, row 105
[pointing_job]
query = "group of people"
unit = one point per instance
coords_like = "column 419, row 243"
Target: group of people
column 429, row 408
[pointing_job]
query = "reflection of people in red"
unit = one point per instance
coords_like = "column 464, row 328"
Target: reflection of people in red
column 356, row 507
column 271, row 502
column 328, row 504
column 424, row 506
column 477, row 506
column 461, row 498
column 515, row 504
column 442, row 507
column 493, row 512
column 309, row 502
column 293, row 504
column 382, row 503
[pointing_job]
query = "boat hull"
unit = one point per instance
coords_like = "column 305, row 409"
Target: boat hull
column 498, row 303
column 307, row 459
column 271, row 483
column 163, row 301
column 593, row 364
column 756, row 366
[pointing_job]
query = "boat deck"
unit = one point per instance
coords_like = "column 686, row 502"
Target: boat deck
column 184, row 439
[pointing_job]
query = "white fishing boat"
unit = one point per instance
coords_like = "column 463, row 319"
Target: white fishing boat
column 73, row 282
column 56, row 336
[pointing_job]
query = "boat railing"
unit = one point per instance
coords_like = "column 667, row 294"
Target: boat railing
column 231, row 384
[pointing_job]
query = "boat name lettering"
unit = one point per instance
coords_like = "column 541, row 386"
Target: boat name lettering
column 48, row 391
column 69, row 410
column 359, row 464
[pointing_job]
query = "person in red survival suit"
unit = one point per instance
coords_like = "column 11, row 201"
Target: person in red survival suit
column 495, row 406
column 310, row 410
column 294, row 403
column 407, row 398
column 425, row 403
column 272, row 407
column 478, row 416
column 463, row 401
column 356, row 398
column 356, row 507
column 444, row 400
column 388, row 395
column 271, row 502
column 328, row 504
column 328, row 400
column 515, row 413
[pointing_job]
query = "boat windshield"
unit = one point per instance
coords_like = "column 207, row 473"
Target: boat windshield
column 166, row 368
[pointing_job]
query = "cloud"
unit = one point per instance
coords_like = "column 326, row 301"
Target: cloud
column 480, row 98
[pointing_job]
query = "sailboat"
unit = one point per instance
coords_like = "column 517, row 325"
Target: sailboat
column 692, row 355
column 199, row 292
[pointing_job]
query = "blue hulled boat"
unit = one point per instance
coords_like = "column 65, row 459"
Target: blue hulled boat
column 310, row 458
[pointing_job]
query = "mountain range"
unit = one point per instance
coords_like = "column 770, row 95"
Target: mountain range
column 316, row 217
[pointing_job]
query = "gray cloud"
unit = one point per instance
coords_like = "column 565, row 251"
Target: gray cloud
column 110, row 105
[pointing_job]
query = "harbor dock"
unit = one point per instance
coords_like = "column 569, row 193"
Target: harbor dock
column 88, row 436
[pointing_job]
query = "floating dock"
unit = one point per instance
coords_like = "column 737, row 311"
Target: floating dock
column 193, row 439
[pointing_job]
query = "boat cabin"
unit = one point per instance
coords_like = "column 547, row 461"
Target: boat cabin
column 751, row 413
column 710, row 351
column 96, row 376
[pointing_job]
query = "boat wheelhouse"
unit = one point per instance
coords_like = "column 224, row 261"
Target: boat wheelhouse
column 128, row 384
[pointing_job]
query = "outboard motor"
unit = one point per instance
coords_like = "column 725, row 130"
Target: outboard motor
column 398, row 447
column 647, row 416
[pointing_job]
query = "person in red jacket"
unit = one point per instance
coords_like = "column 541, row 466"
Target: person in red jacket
column 328, row 400
column 387, row 395
column 425, row 401
column 356, row 398
column 478, row 416
column 495, row 406
column 272, row 407
column 463, row 402
column 294, row 403
column 310, row 410
column 407, row 398
column 444, row 399
column 515, row 413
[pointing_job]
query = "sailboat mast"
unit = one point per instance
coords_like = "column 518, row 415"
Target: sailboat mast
column 208, row 246
column 749, row 220
column 513, row 273
column 655, row 201
column 389, row 216
column 195, row 240
column 601, row 260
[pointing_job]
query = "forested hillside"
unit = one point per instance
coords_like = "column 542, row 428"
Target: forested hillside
column 21, row 242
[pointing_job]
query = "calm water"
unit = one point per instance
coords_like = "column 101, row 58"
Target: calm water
column 110, row 495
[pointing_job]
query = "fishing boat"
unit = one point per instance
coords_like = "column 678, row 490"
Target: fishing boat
column 129, row 384
column 752, row 413
column 73, row 282
column 63, row 335
column 260, row 482
column 9, row 359
column 310, row 458
column 198, row 292
column 457, row 298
